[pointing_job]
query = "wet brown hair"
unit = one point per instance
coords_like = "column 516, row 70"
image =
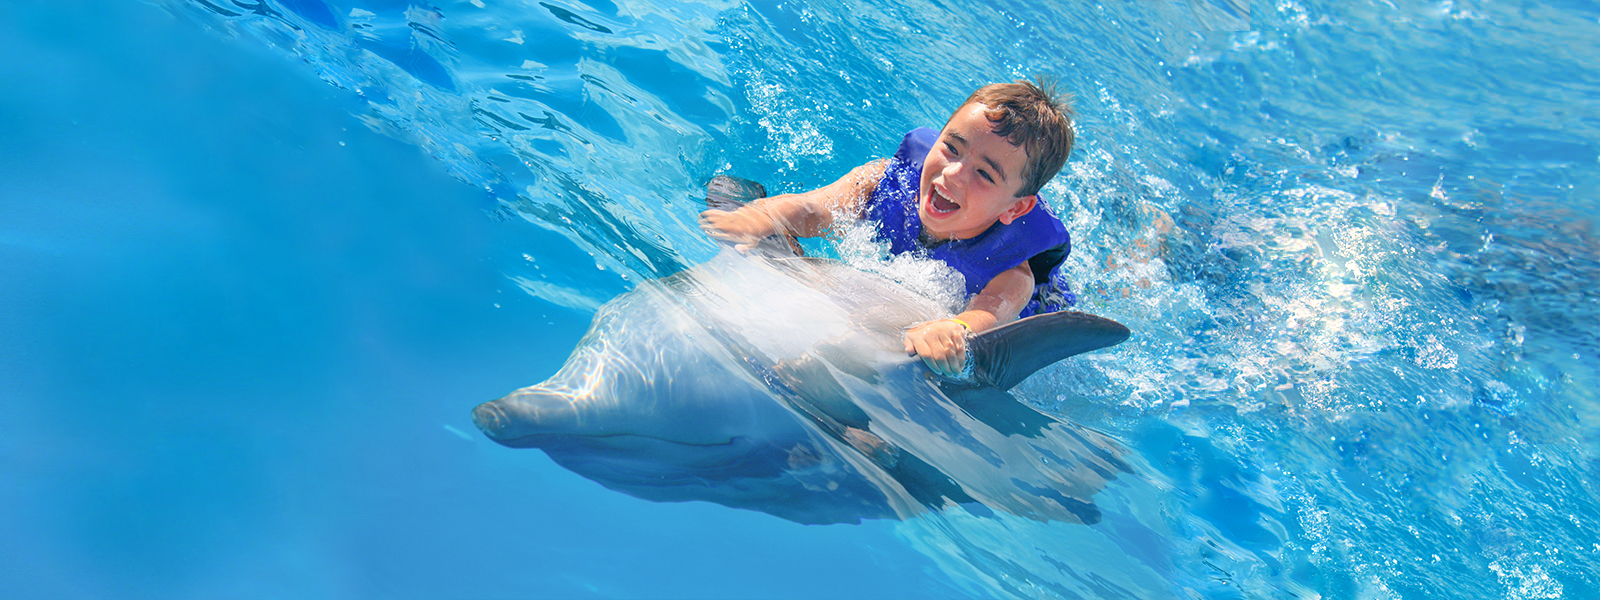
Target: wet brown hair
column 1033, row 116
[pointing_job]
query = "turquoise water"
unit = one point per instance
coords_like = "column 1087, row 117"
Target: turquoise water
column 258, row 260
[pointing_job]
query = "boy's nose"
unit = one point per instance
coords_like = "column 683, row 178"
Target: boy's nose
column 954, row 174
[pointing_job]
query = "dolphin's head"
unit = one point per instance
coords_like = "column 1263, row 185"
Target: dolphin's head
column 663, row 405
column 751, row 455
column 702, row 409
column 605, row 444
column 656, row 369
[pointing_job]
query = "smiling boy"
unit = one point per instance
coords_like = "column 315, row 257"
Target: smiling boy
column 966, row 195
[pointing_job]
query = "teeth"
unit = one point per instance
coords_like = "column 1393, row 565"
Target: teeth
column 941, row 204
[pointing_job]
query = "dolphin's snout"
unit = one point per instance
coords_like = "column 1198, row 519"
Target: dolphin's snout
column 490, row 418
column 519, row 419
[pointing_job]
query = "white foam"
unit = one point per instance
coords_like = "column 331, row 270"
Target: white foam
column 858, row 246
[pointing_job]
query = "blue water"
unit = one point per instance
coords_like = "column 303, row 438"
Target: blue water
column 258, row 260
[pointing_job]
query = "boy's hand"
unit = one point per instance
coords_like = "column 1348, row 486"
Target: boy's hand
column 942, row 345
column 745, row 227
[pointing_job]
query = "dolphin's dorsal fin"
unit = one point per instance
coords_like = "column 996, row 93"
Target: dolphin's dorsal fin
column 1005, row 356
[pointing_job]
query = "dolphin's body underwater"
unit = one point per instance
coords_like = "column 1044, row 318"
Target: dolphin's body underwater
column 781, row 385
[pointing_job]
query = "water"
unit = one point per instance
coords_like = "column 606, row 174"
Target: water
column 246, row 311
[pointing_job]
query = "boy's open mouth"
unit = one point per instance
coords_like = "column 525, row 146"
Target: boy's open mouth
column 940, row 205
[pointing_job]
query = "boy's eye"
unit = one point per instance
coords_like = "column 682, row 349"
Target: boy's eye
column 986, row 177
column 951, row 148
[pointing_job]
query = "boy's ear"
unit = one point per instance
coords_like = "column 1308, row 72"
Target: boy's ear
column 1019, row 208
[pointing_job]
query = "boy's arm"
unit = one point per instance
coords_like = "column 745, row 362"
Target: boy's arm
column 807, row 214
column 942, row 344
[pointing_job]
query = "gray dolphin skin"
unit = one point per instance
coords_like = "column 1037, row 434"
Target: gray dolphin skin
column 780, row 384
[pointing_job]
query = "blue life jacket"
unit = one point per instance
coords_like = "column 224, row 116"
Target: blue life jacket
column 1037, row 237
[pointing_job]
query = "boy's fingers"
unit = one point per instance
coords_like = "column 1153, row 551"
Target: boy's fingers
column 916, row 341
column 709, row 226
column 935, row 354
column 943, row 352
column 955, row 356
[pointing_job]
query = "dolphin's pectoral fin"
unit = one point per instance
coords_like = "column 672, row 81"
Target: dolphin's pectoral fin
column 924, row 482
column 820, row 398
column 1005, row 356
column 819, row 395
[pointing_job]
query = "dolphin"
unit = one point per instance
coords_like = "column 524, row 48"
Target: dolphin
column 780, row 384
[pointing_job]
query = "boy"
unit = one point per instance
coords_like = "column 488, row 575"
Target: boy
column 966, row 195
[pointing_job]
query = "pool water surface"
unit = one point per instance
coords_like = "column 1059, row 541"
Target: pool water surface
column 258, row 261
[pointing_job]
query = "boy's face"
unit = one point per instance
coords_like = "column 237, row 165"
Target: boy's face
column 970, row 177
